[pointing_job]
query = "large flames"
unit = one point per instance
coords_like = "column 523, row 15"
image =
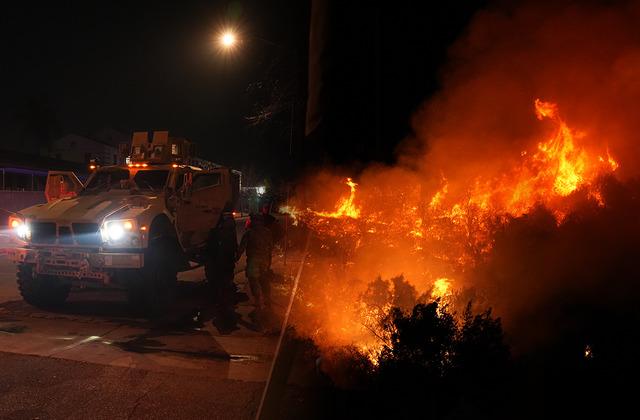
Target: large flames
column 432, row 236
column 345, row 207
column 556, row 168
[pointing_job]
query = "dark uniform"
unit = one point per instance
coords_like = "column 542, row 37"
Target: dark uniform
column 223, row 254
column 258, row 244
column 272, row 224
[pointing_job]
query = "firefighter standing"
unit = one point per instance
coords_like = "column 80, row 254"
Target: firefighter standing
column 258, row 244
column 223, row 255
column 271, row 223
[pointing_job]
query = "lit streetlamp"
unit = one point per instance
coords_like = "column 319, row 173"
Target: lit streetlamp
column 227, row 39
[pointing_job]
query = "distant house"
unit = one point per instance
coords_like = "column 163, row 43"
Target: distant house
column 80, row 149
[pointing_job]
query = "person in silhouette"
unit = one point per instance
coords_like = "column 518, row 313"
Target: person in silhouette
column 257, row 242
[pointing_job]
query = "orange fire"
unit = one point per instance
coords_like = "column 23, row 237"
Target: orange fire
column 568, row 162
column 557, row 168
column 441, row 288
column 345, row 207
column 393, row 225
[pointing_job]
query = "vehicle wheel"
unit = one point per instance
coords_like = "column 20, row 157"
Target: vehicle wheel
column 43, row 291
column 158, row 277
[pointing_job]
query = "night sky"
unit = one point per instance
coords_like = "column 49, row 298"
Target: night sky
column 154, row 65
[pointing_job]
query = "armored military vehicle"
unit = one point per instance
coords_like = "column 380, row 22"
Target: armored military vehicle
column 133, row 226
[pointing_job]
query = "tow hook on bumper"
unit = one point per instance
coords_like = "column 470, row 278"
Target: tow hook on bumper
column 77, row 263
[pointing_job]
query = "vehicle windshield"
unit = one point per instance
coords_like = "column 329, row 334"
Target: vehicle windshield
column 153, row 179
column 117, row 179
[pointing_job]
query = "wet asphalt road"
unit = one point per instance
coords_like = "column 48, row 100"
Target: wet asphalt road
column 93, row 359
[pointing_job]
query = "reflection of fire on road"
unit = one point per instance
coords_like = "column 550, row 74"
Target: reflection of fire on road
column 394, row 224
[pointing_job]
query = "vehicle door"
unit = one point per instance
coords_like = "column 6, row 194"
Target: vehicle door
column 204, row 196
column 61, row 184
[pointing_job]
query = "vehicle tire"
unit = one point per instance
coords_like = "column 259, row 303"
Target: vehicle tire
column 42, row 291
column 158, row 278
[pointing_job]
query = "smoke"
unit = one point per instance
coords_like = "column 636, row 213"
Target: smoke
column 584, row 57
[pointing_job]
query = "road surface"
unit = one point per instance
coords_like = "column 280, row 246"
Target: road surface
column 93, row 359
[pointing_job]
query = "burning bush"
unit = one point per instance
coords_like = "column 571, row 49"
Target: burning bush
column 432, row 364
column 442, row 365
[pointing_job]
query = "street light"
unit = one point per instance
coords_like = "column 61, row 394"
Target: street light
column 228, row 39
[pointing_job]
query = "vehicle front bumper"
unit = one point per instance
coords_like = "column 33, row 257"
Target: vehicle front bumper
column 77, row 263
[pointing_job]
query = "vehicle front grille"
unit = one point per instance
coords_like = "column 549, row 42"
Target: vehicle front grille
column 87, row 233
column 64, row 235
column 43, row 232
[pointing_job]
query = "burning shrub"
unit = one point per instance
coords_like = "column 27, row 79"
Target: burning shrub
column 436, row 364
column 336, row 313
column 433, row 364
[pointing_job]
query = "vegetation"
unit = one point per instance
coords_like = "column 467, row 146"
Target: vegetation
column 438, row 366
column 435, row 366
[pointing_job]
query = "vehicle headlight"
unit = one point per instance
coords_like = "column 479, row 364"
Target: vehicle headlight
column 20, row 228
column 115, row 231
